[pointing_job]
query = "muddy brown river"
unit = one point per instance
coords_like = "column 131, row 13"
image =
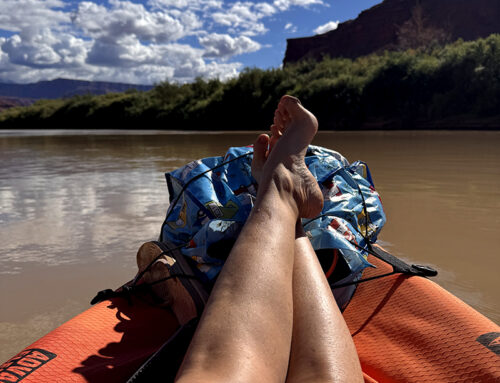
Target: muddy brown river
column 75, row 207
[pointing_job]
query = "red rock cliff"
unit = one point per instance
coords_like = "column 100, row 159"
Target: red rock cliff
column 376, row 28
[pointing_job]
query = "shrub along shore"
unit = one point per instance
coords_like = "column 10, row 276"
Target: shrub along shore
column 453, row 87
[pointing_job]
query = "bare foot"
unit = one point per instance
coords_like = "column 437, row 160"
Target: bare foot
column 293, row 130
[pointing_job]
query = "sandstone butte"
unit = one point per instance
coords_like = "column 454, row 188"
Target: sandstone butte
column 376, row 29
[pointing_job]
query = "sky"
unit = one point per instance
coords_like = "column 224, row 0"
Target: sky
column 151, row 41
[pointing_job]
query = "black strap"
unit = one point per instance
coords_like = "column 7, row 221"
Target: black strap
column 398, row 266
column 126, row 292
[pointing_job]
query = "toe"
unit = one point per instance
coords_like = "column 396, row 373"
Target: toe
column 275, row 132
column 285, row 116
column 275, row 121
column 279, row 120
column 275, row 135
column 288, row 106
column 260, row 148
column 287, row 99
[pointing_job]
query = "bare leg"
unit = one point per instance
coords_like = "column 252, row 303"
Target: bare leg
column 322, row 347
column 245, row 332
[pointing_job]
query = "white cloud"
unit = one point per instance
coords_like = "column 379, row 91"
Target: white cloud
column 137, row 41
column 191, row 70
column 245, row 17
column 185, row 63
column 127, row 18
column 283, row 5
column 330, row 26
column 224, row 46
column 265, row 9
column 5, row 64
column 127, row 61
column 182, row 62
column 191, row 4
column 289, row 27
column 45, row 49
column 16, row 15
column 125, row 52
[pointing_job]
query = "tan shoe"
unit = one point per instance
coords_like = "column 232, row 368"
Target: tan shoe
column 179, row 287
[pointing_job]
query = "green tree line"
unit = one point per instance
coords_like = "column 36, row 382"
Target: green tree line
column 395, row 89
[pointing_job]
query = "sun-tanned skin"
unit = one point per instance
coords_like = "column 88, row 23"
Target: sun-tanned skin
column 322, row 349
column 271, row 313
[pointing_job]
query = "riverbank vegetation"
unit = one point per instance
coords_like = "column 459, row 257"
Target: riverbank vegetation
column 457, row 85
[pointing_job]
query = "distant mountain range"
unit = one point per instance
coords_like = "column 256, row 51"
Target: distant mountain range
column 25, row 94
column 10, row 102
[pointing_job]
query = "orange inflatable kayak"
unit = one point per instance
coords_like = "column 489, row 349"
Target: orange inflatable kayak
column 406, row 329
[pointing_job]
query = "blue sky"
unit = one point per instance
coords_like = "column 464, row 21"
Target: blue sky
column 150, row 41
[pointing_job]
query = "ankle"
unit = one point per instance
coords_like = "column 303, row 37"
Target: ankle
column 273, row 201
